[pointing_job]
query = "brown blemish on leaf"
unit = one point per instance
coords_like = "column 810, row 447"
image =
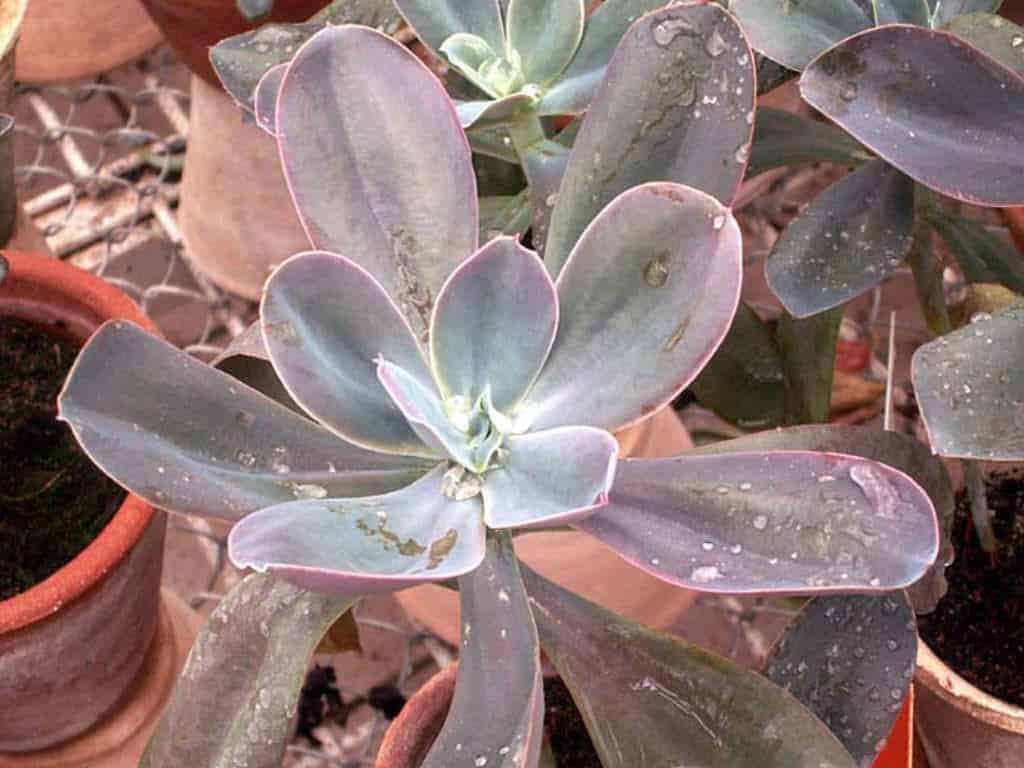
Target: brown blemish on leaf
column 441, row 548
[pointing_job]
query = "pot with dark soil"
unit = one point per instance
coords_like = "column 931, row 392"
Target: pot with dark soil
column 414, row 730
column 970, row 709
column 80, row 561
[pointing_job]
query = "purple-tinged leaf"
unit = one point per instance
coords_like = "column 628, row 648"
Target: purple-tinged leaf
column 778, row 521
column 361, row 546
column 242, row 60
column 900, row 451
column 544, row 164
column 743, row 382
column 265, row 98
column 235, row 701
column 246, row 360
column 480, row 114
column 676, row 104
column 786, row 138
column 432, row 419
column 947, row 10
column 970, row 387
column 850, row 660
column 845, row 242
column 362, row 183
column 551, row 477
column 434, row 21
column 940, row 110
column 571, row 93
column 983, row 256
column 186, row 437
column 545, row 35
column 325, row 320
column 493, row 325
column 794, row 33
column 654, row 700
column 901, row 12
column 497, row 715
column 998, row 37
column 646, row 297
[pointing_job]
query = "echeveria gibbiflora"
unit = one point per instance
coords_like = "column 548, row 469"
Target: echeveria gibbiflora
column 456, row 391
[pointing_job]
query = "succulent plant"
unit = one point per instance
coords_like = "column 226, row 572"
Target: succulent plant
column 453, row 394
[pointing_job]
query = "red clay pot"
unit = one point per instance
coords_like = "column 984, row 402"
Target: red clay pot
column 410, row 735
column 71, row 646
column 192, row 26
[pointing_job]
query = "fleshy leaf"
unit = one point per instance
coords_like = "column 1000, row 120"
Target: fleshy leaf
column 405, row 215
column 478, row 114
column 947, row 10
column 432, row 420
column 786, row 138
column 605, row 27
column 504, row 215
column 794, row 33
column 325, row 320
column 682, row 77
column 652, row 699
column 236, row 698
column 998, row 37
column 361, row 546
column 241, row 61
column 646, row 297
column 545, row 35
column 970, row 387
column 497, row 715
column 550, row 477
column 944, row 113
column 743, row 382
column 246, row 360
column 493, row 325
column 187, row 437
column 845, row 242
column 778, row 521
column 436, row 20
column 265, row 98
column 983, row 257
column 903, row 452
column 901, row 12
column 544, row 163
column 850, row 660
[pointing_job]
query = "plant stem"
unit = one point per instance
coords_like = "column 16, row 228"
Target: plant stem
column 928, row 278
column 981, row 515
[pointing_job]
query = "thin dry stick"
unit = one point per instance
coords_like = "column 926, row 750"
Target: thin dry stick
column 891, row 362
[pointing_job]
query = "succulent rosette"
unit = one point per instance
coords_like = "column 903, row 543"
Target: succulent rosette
column 445, row 393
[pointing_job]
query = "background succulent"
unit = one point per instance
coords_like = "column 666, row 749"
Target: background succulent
column 449, row 390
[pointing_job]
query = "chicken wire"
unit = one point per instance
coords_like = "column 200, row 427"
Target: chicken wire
column 97, row 165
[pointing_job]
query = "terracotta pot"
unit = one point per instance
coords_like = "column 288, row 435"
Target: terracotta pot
column 411, row 734
column 960, row 725
column 192, row 26
column 74, row 644
column 67, row 39
column 236, row 214
column 580, row 562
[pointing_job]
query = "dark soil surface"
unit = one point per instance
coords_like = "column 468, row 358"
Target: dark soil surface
column 53, row 502
column 978, row 627
column 570, row 741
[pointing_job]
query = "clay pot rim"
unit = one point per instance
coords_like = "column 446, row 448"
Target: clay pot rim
column 130, row 521
column 937, row 676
